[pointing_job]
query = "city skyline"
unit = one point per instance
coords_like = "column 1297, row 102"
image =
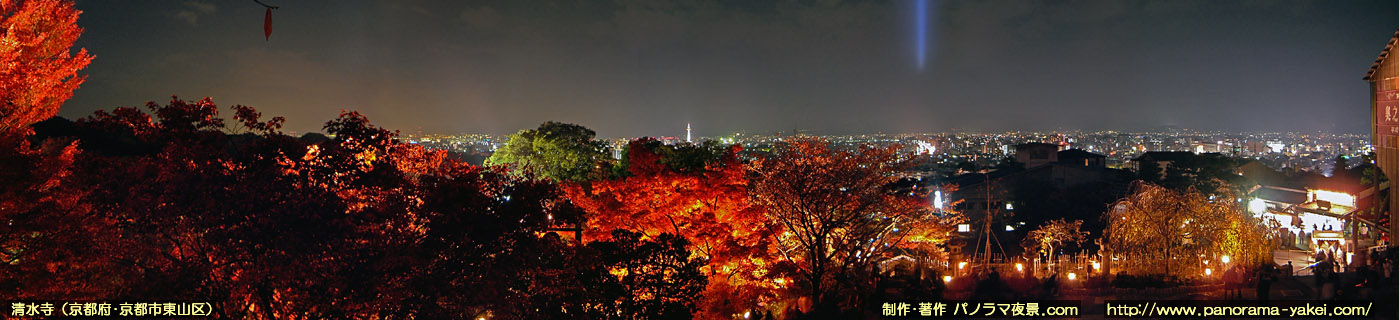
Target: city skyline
column 641, row 69
column 700, row 159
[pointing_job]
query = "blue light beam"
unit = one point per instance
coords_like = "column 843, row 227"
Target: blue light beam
column 920, row 12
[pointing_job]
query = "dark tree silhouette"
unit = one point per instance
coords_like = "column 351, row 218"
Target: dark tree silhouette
column 839, row 214
column 267, row 226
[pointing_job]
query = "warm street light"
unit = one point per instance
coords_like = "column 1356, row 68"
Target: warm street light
column 946, row 279
column 1224, row 259
column 1019, row 267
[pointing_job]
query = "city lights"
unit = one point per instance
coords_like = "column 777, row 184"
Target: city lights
column 849, row 157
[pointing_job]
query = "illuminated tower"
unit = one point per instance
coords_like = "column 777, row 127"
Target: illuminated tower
column 687, row 132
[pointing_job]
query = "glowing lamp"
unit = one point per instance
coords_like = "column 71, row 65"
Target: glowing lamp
column 1095, row 265
column 747, row 314
column 1019, row 267
column 1073, row 276
column 961, row 265
column 1224, row 259
column 946, row 279
column 1257, row 206
column 1208, row 272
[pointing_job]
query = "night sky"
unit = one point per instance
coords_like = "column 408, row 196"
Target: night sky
column 633, row 68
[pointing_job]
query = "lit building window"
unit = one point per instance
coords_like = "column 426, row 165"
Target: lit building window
column 1333, row 197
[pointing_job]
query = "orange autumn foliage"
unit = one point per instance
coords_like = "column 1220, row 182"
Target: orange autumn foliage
column 709, row 207
column 37, row 72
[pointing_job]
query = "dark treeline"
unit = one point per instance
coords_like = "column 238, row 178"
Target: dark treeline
column 126, row 205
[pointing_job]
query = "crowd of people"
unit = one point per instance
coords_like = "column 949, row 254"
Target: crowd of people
column 1330, row 279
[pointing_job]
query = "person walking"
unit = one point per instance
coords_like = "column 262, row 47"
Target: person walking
column 1265, row 275
column 1231, row 283
column 1051, row 285
column 1327, row 279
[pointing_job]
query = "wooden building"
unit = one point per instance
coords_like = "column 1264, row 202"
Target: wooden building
column 1384, row 121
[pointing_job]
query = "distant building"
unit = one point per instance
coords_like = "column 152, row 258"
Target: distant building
column 1162, row 159
column 1256, row 148
column 1036, row 154
column 1082, row 158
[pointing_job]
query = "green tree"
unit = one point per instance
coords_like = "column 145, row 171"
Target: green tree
column 556, row 150
column 1368, row 174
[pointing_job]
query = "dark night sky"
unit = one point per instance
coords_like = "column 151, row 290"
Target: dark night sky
column 639, row 67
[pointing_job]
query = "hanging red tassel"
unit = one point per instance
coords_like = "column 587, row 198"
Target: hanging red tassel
column 267, row 25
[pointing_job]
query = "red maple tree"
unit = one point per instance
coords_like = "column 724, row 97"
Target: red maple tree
column 710, row 207
column 37, row 71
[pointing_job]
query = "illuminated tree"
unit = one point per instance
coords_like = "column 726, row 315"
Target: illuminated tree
column 1052, row 234
column 197, row 214
column 839, row 214
column 37, row 71
column 1160, row 231
column 558, row 151
column 707, row 205
column 44, row 227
